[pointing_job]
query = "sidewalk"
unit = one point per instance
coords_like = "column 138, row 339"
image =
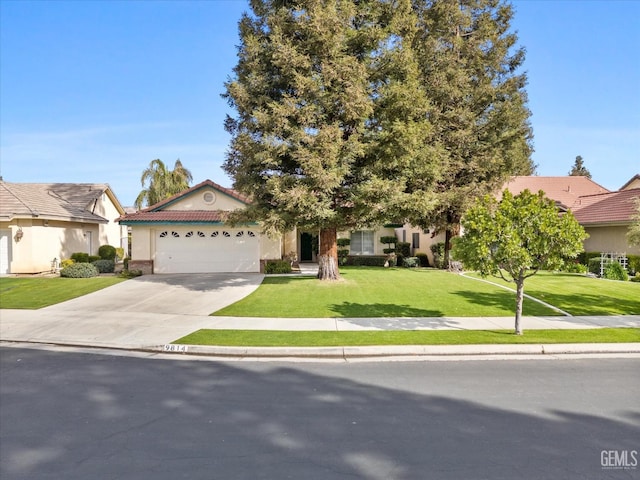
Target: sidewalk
column 154, row 332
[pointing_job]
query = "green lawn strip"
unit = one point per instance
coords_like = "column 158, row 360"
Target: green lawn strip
column 275, row 338
column 581, row 295
column 34, row 293
column 380, row 292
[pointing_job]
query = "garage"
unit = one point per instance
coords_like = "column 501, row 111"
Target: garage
column 5, row 251
column 202, row 250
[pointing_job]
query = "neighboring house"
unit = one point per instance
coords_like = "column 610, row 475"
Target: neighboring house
column 186, row 233
column 605, row 215
column 43, row 223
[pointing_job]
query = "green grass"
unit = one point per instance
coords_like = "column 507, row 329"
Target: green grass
column 395, row 292
column 33, row 293
column 580, row 295
column 272, row 338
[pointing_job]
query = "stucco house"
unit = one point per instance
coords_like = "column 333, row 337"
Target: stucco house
column 45, row 222
column 186, row 233
column 605, row 215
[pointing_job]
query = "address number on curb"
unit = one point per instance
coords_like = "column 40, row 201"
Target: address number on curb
column 176, row 348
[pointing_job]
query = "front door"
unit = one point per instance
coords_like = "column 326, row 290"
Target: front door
column 306, row 247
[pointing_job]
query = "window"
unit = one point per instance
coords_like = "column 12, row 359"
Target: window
column 362, row 242
column 209, row 197
column 416, row 240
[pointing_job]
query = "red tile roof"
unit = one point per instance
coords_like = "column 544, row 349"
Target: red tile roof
column 175, row 216
column 184, row 193
column 565, row 190
column 613, row 207
column 156, row 213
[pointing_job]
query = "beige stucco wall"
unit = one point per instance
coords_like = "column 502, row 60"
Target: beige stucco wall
column 40, row 244
column 426, row 239
column 611, row 239
column 44, row 239
column 111, row 233
column 195, row 201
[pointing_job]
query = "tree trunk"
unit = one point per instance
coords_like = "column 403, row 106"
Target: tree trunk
column 447, row 249
column 328, row 255
column 519, row 298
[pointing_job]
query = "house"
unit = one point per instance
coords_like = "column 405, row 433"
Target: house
column 43, row 223
column 186, row 233
column 605, row 215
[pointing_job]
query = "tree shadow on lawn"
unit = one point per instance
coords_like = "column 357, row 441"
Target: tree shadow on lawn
column 359, row 310
column 504, row 300
column 585, row 304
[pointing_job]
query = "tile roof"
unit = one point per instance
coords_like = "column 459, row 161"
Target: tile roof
column 156, row 214
column 174, row 216
column 565, row 190
column 63, row 201
column 184, row 193
column 612, row 207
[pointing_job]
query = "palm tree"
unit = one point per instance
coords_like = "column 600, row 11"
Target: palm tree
column 163, row 182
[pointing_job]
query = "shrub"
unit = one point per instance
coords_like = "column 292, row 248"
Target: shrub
column 403, row 248
column 344, row 242
column 130, row 273
column 438, row 254
column 633, row 263
column 119, row 253
column 636, row 278
column 424, row 259
column 277, row 266
column 107, row 252
column 126, row 263
column 80, row 257
column 104, row 266
column 410, row 262
column 366, row 260
column 93, row 258
column 388, row 250
column 574, row 267
column 584, row 257
column 343, row 253
column 79, row 270
column 66, row 263
column 615, row 271
column 594, row 265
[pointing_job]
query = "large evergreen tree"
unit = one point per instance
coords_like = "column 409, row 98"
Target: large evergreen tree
column 312, row 77
column 470, row 63
column 578, row 169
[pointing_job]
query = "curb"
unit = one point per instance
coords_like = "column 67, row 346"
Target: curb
column 373, row 353
column 380, row 352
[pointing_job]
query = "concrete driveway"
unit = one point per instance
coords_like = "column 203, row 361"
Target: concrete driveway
column 180, row 294
column 145, row 311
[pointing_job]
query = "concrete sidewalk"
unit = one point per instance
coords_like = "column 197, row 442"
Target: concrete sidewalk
column 155, row 332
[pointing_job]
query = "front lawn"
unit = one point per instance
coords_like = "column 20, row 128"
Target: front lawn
column 272, row 338
column 580, row 295
column 380, row 292
column 33, row 293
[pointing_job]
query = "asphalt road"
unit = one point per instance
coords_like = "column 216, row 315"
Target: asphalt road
column 86, row 416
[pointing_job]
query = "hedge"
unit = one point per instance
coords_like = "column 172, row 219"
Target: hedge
column 366, row 260
column 104, row 266
column 79, row 270
column 277, row 266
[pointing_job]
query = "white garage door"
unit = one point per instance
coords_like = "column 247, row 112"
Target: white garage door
column 5, row 251
column 202, row 250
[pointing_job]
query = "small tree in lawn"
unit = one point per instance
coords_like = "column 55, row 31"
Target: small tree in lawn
column 516, row 237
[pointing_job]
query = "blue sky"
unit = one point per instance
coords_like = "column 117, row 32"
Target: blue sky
column 92, row 91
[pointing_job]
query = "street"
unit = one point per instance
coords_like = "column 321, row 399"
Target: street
column 69, row 415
